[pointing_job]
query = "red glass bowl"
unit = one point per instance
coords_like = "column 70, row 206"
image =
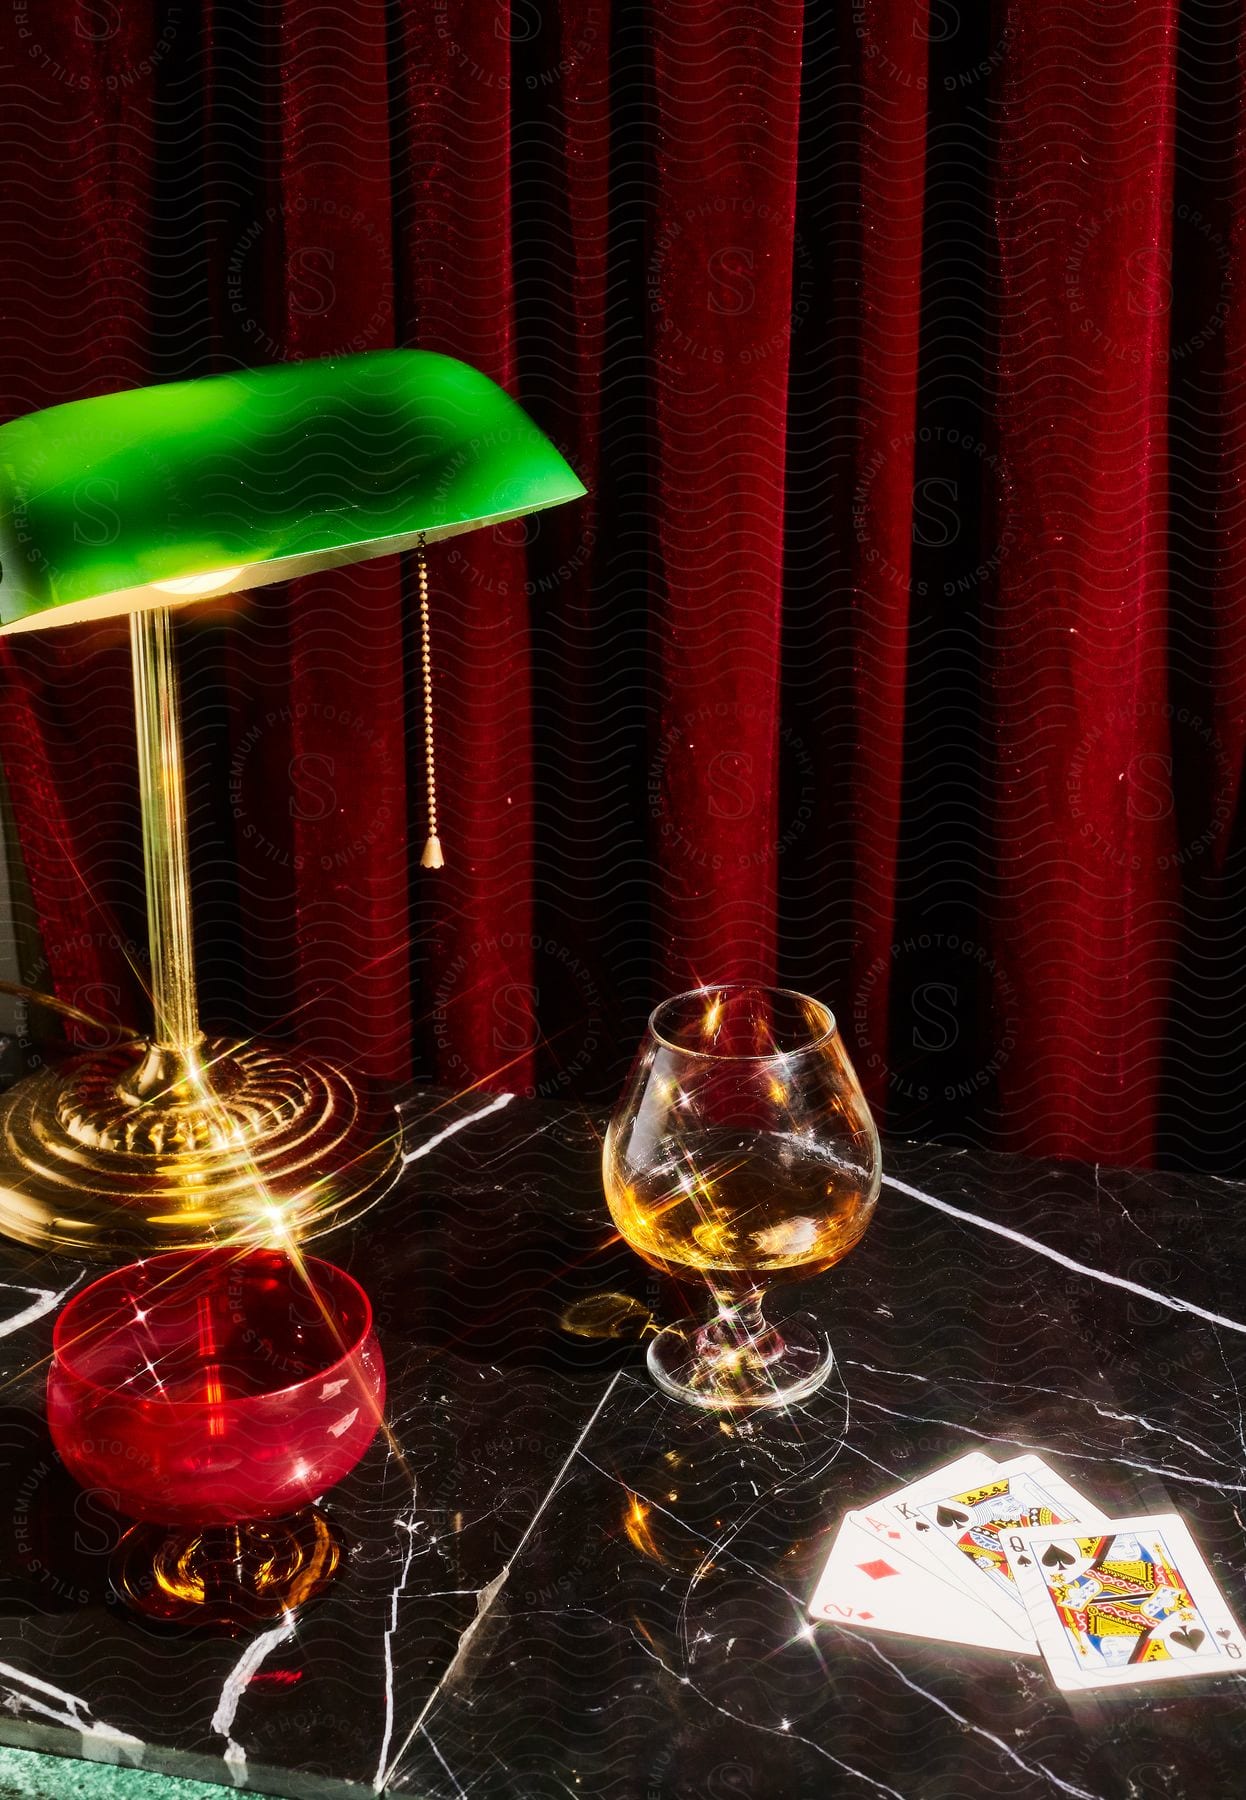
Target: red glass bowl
column 208, row 1387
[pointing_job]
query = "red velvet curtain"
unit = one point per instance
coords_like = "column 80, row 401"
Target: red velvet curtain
column 899, row 651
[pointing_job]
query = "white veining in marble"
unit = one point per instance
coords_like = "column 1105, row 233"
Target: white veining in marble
column 1031, row 1387
column 410, row 1526
column 234, row 1687
column 32, row 1695
column 1040, row 1769
column 1065, row 1262
column 448, row 1131
column 459, row 1789
column 46, row 1302
column 489, row 1593
column 782, row 1730
column 1040, row 1449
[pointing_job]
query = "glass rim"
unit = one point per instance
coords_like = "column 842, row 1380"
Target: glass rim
column 743, row 987
column 62, row 1358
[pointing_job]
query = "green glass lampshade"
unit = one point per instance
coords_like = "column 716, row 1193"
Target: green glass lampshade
column 196, row 488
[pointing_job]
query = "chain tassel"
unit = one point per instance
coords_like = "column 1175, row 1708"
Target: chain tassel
column 432, row 857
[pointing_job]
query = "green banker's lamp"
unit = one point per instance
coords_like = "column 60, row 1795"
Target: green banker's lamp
column 214, row 486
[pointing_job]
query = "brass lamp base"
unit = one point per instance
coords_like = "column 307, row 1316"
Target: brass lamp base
column 125, row 1150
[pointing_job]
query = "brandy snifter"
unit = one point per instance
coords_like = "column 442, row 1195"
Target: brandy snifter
column 742, row 1153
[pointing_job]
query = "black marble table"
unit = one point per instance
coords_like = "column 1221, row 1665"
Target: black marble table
column 560, row 1583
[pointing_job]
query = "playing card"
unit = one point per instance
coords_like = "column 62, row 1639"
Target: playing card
column 860, row 1585
column 1133, row 1603
column 895, row 1521
column 964, row 1522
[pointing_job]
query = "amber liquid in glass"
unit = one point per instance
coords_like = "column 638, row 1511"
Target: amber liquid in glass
column 731, row 1207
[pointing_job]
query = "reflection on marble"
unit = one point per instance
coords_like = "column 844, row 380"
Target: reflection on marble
column 559, row 1582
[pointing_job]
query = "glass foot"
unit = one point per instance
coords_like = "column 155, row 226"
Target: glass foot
column 231, row 1576
column 726, row 1367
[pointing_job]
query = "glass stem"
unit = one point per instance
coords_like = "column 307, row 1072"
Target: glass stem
column 748, row 1321
column 165, row 861
column 739, row 1325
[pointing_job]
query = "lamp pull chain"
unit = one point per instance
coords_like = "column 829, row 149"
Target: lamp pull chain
column 432, row 857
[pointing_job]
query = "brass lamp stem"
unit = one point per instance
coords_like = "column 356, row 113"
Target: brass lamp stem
column 176, row 1032
column 176, row 1139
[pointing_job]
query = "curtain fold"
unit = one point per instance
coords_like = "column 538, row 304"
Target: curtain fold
column 686, row 729
column 79, row 150
column 1085, row 734
column 452, row 205
column 347, row 775
column 893, row 39
column 719, row 282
